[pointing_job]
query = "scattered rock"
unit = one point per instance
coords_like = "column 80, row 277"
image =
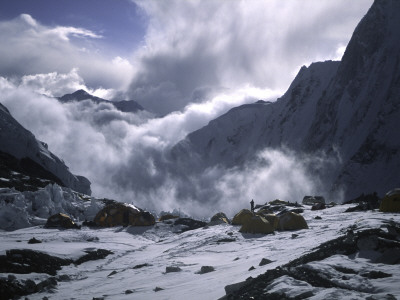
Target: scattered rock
column 34, row 241
column 294, row 235
column 167, row 217
column 48, row 284
column 172, row 269
column 112, row 273
column 91, row 224
column 312, row 200
column 226, row 240
column 231, row 288
column 25, row 261
column 297, row 210
column 157, row 289
column 63, row 278
column 375, row 275
column 93, row 255
column 190, row 224
column 371, row 201
column 141, row 266
column 318, row 206
column 264, row 261
column 206, row 269
column 318, row 218
column 127, row 292
column 252, row 268
column 278, row 202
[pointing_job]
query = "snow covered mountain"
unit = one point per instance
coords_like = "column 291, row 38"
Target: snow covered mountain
column 344, row 111
column 33, row 157
column 80, row 95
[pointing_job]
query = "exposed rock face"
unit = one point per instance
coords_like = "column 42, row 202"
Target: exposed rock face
column 21, row 144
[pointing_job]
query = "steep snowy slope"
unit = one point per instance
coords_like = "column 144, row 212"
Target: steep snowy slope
column 15, row 140
column 124, row 106
column 346, row 110
column 237, row 135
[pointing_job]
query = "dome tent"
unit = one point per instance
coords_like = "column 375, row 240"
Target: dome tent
column 241, row 216
column 256, row 224
column 292, row 221
column 123, row 214
column 61, row 220
column 391, row 201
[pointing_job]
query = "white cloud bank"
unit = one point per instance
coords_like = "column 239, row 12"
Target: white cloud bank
column 126, row 155
column 29, row 48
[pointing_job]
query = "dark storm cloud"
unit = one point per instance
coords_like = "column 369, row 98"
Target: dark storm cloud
column 214, row 44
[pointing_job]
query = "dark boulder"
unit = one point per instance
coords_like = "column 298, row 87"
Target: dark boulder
column 189, row 224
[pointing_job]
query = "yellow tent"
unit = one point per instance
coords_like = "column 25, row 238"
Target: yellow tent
column 391, row 202
column 220, row 217
column 256, row 224
column 272, row 219
column 241, row 217
column 60, row 220
column 292, row 221
column 122, row 214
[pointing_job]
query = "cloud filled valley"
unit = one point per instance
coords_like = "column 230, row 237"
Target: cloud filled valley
column 126, row 155
column 196, row 62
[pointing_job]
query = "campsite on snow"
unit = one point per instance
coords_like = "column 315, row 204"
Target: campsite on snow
column 184, row 227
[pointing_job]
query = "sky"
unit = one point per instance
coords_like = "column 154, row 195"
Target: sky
column 186, row 62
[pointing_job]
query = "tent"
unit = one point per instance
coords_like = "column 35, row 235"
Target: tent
column 61, row 220
column 272, row 219
column 256, row 224
column 292, row 221
column 122, row 214
column 241, row 216
column 219, row 218
column 391, row 201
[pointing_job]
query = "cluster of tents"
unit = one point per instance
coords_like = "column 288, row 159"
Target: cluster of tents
column 263, row 221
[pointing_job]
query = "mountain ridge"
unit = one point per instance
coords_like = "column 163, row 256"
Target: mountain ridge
column 123, row 105
column 345, row 111
column 21, row 144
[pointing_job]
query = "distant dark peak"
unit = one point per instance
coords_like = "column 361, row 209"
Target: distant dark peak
column 80, row 95
column 81, row 92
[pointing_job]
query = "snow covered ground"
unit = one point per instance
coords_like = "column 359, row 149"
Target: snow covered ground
column 140, row 256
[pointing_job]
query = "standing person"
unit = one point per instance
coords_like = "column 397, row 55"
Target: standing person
column 252, row 205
